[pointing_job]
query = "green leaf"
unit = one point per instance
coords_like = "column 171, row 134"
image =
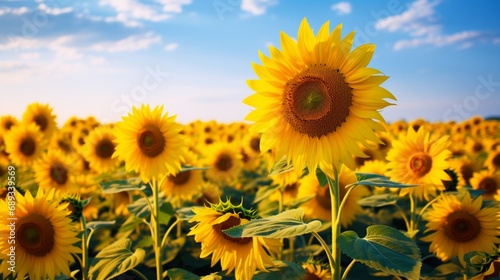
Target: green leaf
column 132, row 184
column 322, row 178
column 98, row 224
column 166, row 212
column 193, row 168
column 280, row 167
column 376, row 180
column 380, row 200
column 139, row 208
column 130, row 224
column 383, row 248
column 265, row 192
column 181, row 274
column 185, row 213
column 286, row 224
column 115, row 259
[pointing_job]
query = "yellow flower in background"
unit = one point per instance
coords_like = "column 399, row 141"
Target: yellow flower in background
column 319, row 207
column 315, row 100
column 244, row 255
column 41, row 115
column 99, row 148
column 6, row 123
column 44, row 237
column 224, row 162
column 55, row 171
column 459, row 224
column 60, row 141
column 416, row 158
column 184, row 185
column 465, row 167
column 150, row 142
column 487, row 181
column 492, row 162
column 316, row 272
column 23, row 143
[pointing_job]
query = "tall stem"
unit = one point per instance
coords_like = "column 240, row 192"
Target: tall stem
column 412, row 215
column 85, row 253
column 155, row 223
column 335, row 205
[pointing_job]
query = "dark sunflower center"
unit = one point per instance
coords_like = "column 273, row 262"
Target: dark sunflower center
column 224, row 162
column 461, row 226
column 28, row 146
column 64, row 146
column 151, row 141
column 208, row 140
column 323, row 197
column 229, row 223
column 489, row 185
column 255, row 144
column 477, row 147
column 244, row 157
column 496, row 160
column 35, row 235
column 181, row 178
column 360, row 161
column 420, row 164
column 467, row 172
column 58, row 173
column 41, row 121
column 104, row 148
column 8, row 124
column 317, row 101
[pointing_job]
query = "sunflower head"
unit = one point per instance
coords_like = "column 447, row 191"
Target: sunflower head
column 41, row 115
column 75, row 206
column 228, row 207
column 317, row 98
column 24, row 145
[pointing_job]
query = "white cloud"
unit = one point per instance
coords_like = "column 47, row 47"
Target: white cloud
column 131, row 43
column 342, row 8
column 256, row 7
column 54, row 11
column 173, row 6
column 17, row 12
column 171, row 47
column 419, row 22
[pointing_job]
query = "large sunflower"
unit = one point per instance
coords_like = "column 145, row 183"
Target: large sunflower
column 460, row 225
column 319, row 207
column 23, row 143
column 416, row 158
column 44, row 237
column 150, row 142
column 244, row 255
column 55, row 171
column 99, row 148
column 41, row 115
column 487, row 181
column 315, row 99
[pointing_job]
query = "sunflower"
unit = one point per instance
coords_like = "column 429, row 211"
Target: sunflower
column 150, row 143
column 320, row 205
column 492, row 162
column 6, row 123
column 224, row 162
column 316, row 272
column 99, row 148
column 244, row 255
column 41, row 115
column 54, row 171
column 315, row 100
column 60, row 141
column 459, row 225
column 487, row 181
column 184, row 185
column 418, row 159
column 23, row 143
column 466, row 167
column 44, row 237
column 210, row 194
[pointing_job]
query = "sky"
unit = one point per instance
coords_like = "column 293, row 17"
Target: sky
column 101, row 57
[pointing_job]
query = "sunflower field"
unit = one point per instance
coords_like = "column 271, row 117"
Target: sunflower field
column 313, row 184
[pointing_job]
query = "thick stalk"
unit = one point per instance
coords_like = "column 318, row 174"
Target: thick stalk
column 85, row 253
column 335, row 206
column 155, row 223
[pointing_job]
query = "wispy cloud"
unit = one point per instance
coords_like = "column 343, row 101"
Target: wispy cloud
column 420, row 23
column 342, row 8
column 171, row 47
column 257, row 7
column 14, row 11
column 130, row 43
column 54, row 11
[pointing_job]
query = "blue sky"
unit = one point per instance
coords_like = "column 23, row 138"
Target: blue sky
column 101, row 57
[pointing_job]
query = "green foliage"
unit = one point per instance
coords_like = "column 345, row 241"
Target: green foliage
column 383, row 248
column 376, row 180
column 131, row 184
column 280, row 167
column 115, row 259
column 287, row 224
column 380, row 200
column 282, row 270
column 181, row 274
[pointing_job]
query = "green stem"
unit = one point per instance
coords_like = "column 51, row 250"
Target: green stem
column 335, row 207
column 424, row 209
column 412, row 214
column 155, row 224
column 164, row 240
column 331, row 261
column 85, row 253
column 138, row 273
column 348, row 268
column 402, row 212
